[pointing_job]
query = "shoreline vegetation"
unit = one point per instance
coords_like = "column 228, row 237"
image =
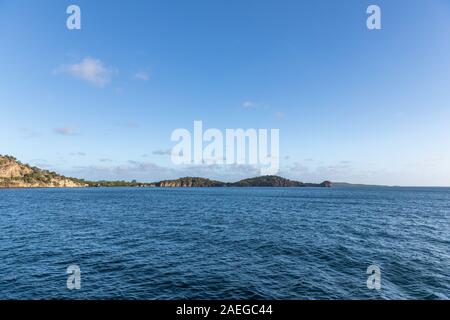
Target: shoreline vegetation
column 14, row 174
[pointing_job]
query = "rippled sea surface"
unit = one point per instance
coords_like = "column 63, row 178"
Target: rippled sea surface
column 225, row 243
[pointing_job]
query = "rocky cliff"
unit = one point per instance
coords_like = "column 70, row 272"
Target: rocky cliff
column 189, row 182
column 14, row 174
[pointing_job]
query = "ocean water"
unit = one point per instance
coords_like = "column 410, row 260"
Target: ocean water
column 225, row 243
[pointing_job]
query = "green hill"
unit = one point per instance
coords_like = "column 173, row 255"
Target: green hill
column 14, row 174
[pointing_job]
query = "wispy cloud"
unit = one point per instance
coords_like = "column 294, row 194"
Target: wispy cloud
column 338, row 171
column 65, row 131
column 90, row 70
column 40, row 163
column 145, row 171
column 227, row 173
column 141, row 171
column 78, row 154
column 280, row 115
column 166, row 152
column 128, row 124
column 141, row 75
column 26, row 133
column 248, row 104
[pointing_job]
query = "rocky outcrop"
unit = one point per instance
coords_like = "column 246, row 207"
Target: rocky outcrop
column 55, row 183
column 326, row 184
column 14, row 174
column 190, row 182
column 10, row 168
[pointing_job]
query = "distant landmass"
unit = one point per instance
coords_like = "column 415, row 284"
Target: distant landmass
column 357, row 185
column 264, row 181
column 14, row 174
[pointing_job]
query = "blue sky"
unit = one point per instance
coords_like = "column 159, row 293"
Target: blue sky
column 351, row 104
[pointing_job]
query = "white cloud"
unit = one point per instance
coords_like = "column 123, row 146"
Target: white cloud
column 128, row 124
column 280, row 115
column 65, row 131
column 248, row 104
column 166, row 152
column 26, row 133
column 150, row 172
column 141, row 75
column 90, row 70
column 141, row 171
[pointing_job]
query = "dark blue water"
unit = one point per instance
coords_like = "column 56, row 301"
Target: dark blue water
column 225, row 243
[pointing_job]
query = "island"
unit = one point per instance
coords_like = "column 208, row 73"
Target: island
column 14, row 174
